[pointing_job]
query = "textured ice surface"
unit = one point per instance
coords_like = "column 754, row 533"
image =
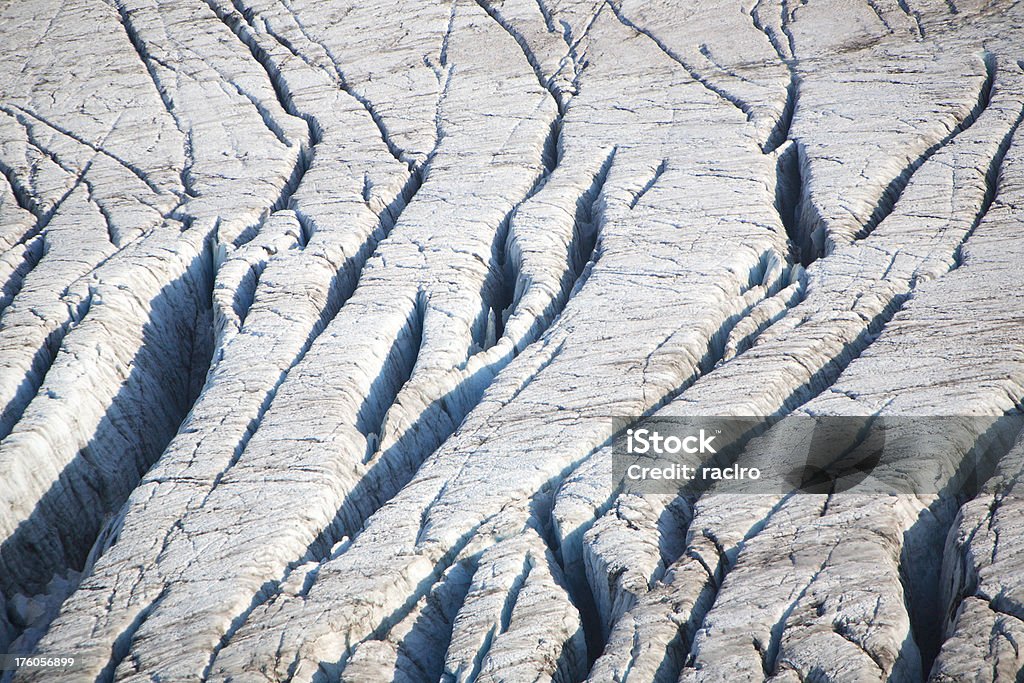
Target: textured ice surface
column 314, row 315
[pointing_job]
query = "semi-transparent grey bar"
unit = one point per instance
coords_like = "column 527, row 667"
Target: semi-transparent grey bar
column 878, row 455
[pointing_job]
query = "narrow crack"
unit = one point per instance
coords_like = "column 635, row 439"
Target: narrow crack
column 770, row 657
column 531, row 57
column 242, row 23
column 658, row 172
column 727, row 97
column 915, row 15
column 891, row 193
column 992, row 177
column 139, row 46
column 121, row 648
column 134, row 170
column 31, row 253
column 511, row 597
column 22, row 196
